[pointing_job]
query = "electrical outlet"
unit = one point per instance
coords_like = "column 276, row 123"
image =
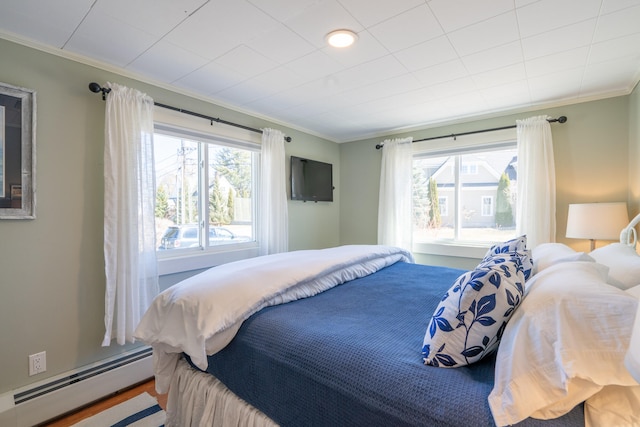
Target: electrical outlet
column 37, row 363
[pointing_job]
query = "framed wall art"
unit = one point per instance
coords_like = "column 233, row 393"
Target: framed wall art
column 17, row 152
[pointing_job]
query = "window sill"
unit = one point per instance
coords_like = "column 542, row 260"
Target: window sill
column 200, row 260
column 452, row 249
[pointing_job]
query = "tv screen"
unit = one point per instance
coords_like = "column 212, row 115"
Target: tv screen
column 311, row 180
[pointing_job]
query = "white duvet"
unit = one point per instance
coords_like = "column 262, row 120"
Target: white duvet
column 201, row 315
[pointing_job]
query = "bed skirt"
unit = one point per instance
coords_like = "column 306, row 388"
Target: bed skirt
column 199, row 399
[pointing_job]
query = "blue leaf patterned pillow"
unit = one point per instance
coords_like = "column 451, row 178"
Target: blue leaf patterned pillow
column 517, row 246
column 470, row 319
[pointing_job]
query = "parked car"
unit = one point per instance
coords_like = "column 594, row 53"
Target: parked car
column 186, row 236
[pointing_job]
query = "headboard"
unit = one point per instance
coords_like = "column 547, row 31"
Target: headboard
column 628, row 235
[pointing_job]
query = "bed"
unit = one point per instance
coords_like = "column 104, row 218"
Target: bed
column 361, row 335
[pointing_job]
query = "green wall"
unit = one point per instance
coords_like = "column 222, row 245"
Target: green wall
column 52, row 280
column 634, row 153
column 591, row 157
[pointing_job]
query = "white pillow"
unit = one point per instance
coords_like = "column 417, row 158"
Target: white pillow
column 623, row 262
column 547, row 254
column 565, row 342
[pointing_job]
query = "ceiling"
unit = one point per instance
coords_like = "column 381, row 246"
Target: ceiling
column 416, row 62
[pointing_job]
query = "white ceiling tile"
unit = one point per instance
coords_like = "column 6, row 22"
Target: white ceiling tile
column 609, row 6
column 557, row 62
column 281, row 45
column 491, row 59
column 219, row 26
column 520, row 3
column 153, row 62
column 381, row 89
column 500, row 76
column 246, row 61
column 407, row 29
column 263, row 87
column 546, row 15
column 486, row 34
column 427, row 54
column 282, row 10
column 455, row 14
column 507, row 95
column 400, row 100
column 442, row 72
column 371, row 72
column 155, row 17
column 463, row 104
column 279, row 79
column 611, row 75
column 209, row 79
column 273, row 106
column 627, row 47
column 315, row 22
column 43, row 20
column 452, row 88
column 563, row 85
column 618, row 24
column 369, row 13
column 559, row 40
column 242, row 93
column 125, row 42
column 314, row 65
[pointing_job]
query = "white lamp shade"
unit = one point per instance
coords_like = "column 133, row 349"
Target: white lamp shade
column 597, row 221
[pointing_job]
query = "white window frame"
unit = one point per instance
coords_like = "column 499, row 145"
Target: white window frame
column 488, row 140
column 181, row 125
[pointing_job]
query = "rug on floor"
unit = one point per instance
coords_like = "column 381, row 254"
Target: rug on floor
column 140, row 411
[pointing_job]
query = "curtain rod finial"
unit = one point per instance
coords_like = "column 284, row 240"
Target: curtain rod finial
column 94, row 87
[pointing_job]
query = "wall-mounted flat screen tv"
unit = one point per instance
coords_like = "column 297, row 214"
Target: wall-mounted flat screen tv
column 311, row 180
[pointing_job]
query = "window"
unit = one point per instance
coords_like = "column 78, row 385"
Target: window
column 444, row 206
column 487, row 205
column 465, row 195
column 469, row 169
column 205, row 186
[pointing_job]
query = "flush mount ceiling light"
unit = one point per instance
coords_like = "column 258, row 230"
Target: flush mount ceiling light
column 341, row 38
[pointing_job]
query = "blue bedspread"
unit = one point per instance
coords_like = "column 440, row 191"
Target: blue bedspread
column 351, row 356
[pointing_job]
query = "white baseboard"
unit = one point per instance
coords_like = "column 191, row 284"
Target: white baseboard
column 42, row 401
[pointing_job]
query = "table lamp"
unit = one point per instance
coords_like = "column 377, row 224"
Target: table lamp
column 597, row 221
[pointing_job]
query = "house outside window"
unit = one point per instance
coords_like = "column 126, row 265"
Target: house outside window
column 475, row 188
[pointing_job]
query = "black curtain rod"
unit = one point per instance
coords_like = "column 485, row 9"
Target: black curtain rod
column 560, row 119
column 95, row 88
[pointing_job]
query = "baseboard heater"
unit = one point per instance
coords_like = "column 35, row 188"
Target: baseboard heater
column 37, row 403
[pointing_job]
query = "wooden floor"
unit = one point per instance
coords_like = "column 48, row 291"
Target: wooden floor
column 108, row 402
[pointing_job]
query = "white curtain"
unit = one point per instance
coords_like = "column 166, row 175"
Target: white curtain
column 395, row 201
column 536, row 206
column 273, row 227
column 129, row 220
